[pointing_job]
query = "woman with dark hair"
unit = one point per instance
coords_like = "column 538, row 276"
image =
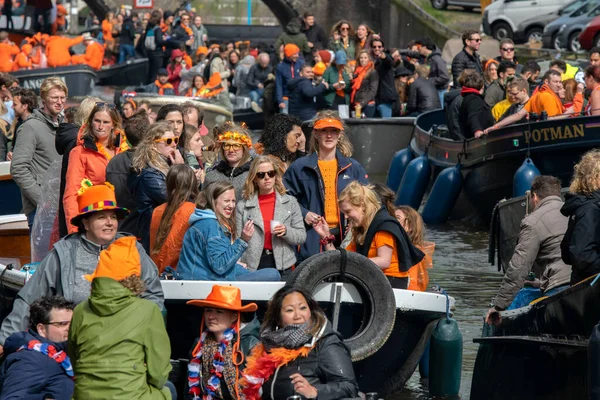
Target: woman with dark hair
column 129, row 108
column 197, row 83
column 592, row 82
column 364, row 34
column 147, row 183
column 233, row 59
column 283, row 138
column 343, row 38
column 299, row 353
column 211, row 248
column 170, row 221
column 176, row 65
column 101, row 140
column 173, row 114
column 276, row 215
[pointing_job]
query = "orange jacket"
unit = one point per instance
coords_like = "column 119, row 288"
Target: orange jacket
column 7, row 51
column 61, row 12
column 57, row 50
column 22, row 61
column 85, row 161
column 545, row 100
column 168, row 256
column 107, row 28
column 94, row 55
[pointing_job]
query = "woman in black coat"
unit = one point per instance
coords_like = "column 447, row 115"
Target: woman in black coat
column 475, row 115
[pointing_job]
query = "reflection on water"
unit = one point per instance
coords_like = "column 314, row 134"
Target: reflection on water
column 460, row 266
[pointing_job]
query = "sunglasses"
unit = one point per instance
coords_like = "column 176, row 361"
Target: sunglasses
column 232, row 146
column 476, row 40
column 168, row 141
column 109, row 105
column 508, row 49
column 261, row 175
column 344, row 29
column 378, row 47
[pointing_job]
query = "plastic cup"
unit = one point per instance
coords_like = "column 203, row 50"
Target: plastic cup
column 274, row 223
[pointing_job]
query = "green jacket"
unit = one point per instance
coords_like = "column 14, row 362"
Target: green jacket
column 331, row 76
column 292, row 34
column 119, row 346
column 336, row 45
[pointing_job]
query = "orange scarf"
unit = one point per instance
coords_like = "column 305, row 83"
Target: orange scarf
column 359, row 74
column 161, row 88
column 164, row 27
column 123, row 145
column 260, row 365
column 188, row 30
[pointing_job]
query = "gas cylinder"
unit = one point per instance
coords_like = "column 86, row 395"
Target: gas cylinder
column 594, row 364
column 414, row 182
column 443, row 195
column 445, row 358
column 397, row 167
column 524, row 177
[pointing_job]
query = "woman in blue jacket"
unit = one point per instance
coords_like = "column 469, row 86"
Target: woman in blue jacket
column 317, row 179
column 211, row 250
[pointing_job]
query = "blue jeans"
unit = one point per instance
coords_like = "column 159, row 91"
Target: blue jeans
column 30, row 218
column 126, row 50
column 256, row 95
column 261, row 275
column 384, row 110
column 441, row 94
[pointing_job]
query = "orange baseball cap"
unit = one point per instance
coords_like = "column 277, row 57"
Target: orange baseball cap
column 325, row 123
column 120, row 260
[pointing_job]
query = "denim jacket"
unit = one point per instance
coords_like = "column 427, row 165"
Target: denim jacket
column 207, row 253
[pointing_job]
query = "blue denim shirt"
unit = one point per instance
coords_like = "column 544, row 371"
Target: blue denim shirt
column 207, row 253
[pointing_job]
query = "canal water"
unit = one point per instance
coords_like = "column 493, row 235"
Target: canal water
column 460, row 266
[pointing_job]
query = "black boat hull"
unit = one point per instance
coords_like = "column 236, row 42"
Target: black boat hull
column 489, row 164
column 134, row 72
column 80, row 79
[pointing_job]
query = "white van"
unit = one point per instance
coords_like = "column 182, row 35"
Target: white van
column 502, row 17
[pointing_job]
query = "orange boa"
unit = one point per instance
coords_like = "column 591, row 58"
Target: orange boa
column 260, row 365
column 161, row 88
column 188, row 30
column 359, row 74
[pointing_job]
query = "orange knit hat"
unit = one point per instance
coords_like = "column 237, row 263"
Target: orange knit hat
column 319, row 68
column 91, row 199
column 120, row 260
column 290, row 49
column 202, row 50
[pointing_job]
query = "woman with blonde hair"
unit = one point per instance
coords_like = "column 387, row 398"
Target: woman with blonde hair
column 317, row 179
column 147, row 182
column 411, row 221
column 277, row 219
column 580, row 246
column 101, row 140
column 375, row 234
column 233, row 145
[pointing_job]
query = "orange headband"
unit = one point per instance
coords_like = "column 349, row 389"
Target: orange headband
column 487, row 63
column 130, row 101
column 328, row 123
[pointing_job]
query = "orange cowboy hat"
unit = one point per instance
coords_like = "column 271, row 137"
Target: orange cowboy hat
column 91, row 199
column 225, row 297
column 119, row 261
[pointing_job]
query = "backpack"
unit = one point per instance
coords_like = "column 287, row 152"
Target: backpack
column 150, row 41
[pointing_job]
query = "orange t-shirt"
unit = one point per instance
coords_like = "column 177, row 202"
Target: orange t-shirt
column 383, row 238
column 545, row 100
column 329, row 172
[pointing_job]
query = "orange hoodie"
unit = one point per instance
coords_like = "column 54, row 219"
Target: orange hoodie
column 545, row 99
column 7, row 51
column 57, row 50
column 94, row 55
column 85, row 161
column 107, row 28
column 168, row 256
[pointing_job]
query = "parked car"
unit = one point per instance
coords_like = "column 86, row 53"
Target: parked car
column 568, row 34
column 468, row 5
column 532, row 29
column 590, row 36
column 549, row 36
column 502, row 17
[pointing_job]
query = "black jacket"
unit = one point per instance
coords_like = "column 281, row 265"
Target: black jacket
column 474, row 115
column 66, row 140
column 580, row 247
column 258, row 75
column 316, row 35
column 368, row 89
column 180, row 36
column 302, row 95
column 452, row 103
column 117, row 171
column 462, row 61
column 438, row 70
column 386, row 92
column 328, row 367
column 422, row 96
column 127, row 32
column 408, row 254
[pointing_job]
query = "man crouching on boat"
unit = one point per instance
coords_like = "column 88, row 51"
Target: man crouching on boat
column 538, row 247
column 117, row 341
column 62, row 271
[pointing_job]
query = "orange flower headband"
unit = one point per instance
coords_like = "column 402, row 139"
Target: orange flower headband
column 230, row 136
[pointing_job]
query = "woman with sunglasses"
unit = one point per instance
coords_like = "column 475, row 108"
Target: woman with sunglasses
column 343, row 38
column 317, row 179
column 100, row 140
column 278, row 222
column 147, row 182
column 233, row 144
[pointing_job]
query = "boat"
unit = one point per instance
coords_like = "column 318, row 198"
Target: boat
column 10, row 201
column 15, row 247
column 80, row 79
column 490, row 162
column 400, row 322
column 132, row 72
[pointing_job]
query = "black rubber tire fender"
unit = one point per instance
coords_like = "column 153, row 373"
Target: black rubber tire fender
column 380, row 305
